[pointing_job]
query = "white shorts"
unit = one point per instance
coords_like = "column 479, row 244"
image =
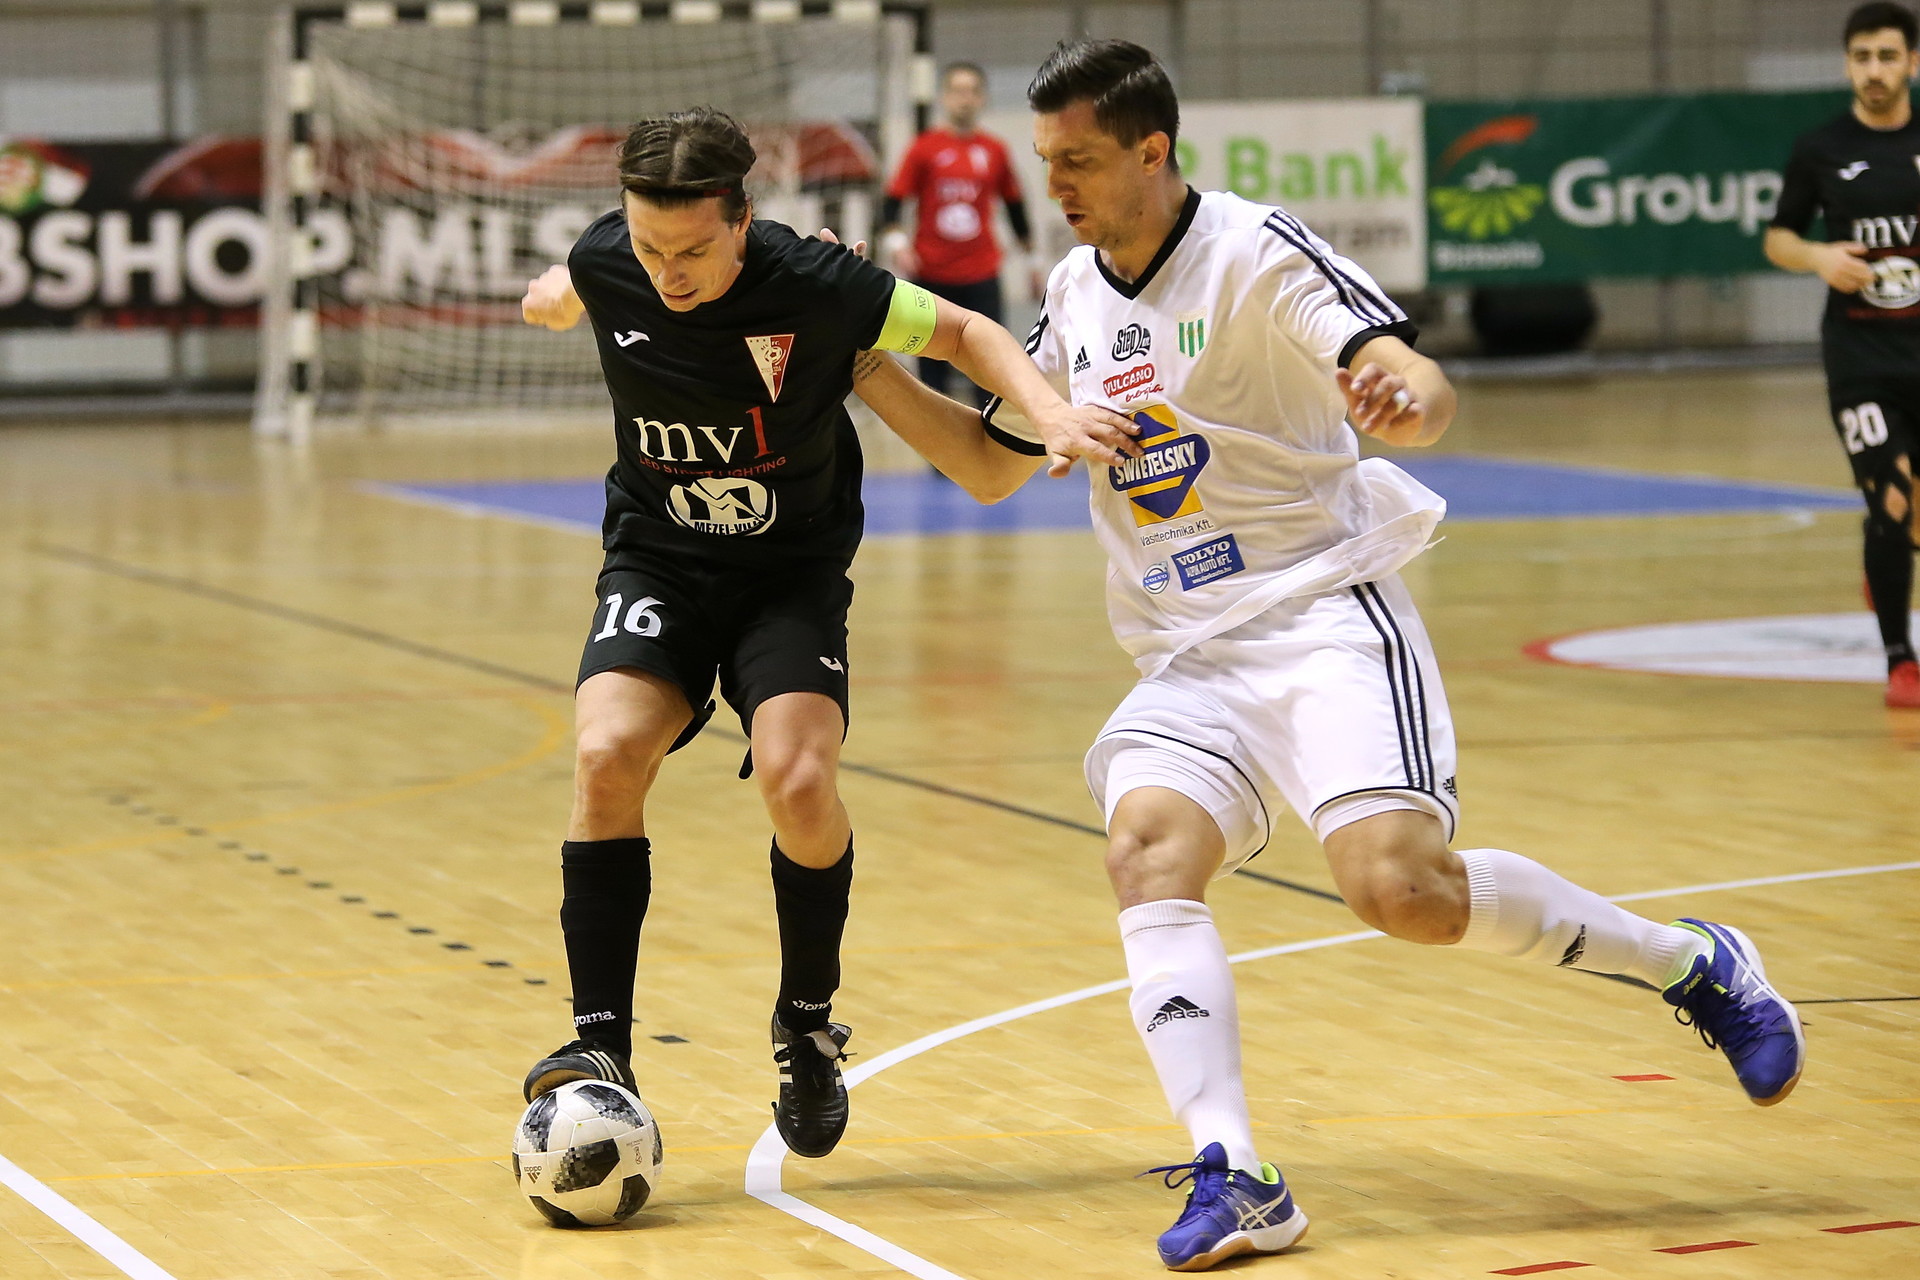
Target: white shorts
column 1330, row 705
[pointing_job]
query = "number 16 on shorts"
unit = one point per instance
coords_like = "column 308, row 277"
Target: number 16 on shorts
column 639, row 619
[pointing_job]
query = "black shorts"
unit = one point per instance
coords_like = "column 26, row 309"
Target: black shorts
column 763, row 630
column 1877, row 420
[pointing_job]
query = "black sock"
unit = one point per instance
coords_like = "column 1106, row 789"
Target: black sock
column 812, row 906
column 1889, row 561
column 607, row 885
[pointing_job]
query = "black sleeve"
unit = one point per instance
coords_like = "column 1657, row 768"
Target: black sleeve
column 598, row 258
column 890, row 207
column 858, row 291
column 1017, row 219
column 1405, row 330
column 1799, row 192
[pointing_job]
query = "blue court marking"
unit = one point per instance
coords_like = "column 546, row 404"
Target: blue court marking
column 1475, row 489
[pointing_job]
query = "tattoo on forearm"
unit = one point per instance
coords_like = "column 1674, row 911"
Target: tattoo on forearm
column 866, row 364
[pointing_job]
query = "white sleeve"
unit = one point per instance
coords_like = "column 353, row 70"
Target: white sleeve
column 1325, row 303
column 1006, row 425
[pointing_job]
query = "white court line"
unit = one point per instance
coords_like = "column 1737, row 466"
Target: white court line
column 90, row 1233
column 764, row 1161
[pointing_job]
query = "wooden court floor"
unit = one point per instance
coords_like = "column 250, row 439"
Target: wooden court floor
column 286, row 764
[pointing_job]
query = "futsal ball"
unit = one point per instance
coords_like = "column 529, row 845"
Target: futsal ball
column 587, row 1154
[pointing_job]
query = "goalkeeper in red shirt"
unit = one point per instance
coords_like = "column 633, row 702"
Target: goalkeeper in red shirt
column 954, row 172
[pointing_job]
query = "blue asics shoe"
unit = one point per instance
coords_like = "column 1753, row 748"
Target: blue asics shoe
column 1229, row 1212
column 1726, row 998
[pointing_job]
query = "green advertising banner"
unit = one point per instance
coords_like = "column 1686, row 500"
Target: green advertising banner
column 1573, row 189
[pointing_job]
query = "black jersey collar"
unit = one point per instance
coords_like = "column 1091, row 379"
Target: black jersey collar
column 1131, row 289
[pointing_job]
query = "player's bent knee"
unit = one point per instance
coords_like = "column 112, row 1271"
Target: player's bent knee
column 612, row 765
column 1397, row 874
column 800, row 787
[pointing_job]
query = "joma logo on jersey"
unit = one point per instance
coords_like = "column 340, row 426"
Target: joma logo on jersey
column 1134, row 340
column 1886, row 233
column 1160, row 482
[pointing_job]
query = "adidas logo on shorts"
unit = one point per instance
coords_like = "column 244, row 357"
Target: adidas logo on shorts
column 1178, row 1007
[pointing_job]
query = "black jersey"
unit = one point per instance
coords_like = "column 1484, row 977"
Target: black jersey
column 734, row 440
column 1865, row 183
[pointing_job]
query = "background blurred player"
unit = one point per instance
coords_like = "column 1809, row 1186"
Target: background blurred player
column 953, row 173
column 733, row 510
column 1861, row 173
column 1252, row 577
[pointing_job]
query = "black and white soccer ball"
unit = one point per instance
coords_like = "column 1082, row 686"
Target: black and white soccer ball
column 587, row 1154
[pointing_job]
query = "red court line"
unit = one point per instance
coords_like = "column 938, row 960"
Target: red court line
column 1709, row 1247
column 1639, row 1079
column 1868, row 1226
column 1537, row 1268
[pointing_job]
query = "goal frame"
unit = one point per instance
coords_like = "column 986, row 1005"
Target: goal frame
column 287, row 395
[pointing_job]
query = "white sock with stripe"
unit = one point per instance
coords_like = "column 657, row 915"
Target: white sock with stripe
column 1183, row 1007
column 1522, row 909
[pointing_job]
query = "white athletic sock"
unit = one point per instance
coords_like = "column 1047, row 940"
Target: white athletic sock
column 1184, row 1009
column 1522, row 909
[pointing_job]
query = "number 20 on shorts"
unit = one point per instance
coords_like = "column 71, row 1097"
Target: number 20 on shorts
column 641, row 620
column 1863, row 427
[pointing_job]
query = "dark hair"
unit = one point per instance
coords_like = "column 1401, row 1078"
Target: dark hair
column 677, row 159
column 979, row 72
column 1130, row 92
column 1882, row 16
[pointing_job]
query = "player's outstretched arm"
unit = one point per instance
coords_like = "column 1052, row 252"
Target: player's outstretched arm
column 988, row 354
column 947, row 434
column 551, row 301
column 1397, row 394
column 1840, row 263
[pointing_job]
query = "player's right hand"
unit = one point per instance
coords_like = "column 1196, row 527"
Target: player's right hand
column 1086, row 431
column 1843, row 266
column 551, row 301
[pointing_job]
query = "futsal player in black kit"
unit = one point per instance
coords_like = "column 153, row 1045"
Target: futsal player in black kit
column 733, row 511
column 1861, row 173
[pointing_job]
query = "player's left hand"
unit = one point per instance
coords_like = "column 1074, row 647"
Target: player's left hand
column 1381, row 405
column 1086, row 431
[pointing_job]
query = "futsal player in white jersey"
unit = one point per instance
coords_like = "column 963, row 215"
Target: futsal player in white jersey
column 1252, row 577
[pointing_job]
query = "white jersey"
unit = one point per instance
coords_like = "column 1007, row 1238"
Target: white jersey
column 1251, row 490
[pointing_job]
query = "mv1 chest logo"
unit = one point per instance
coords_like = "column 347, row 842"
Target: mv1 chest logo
column 770, row 354
column 1159, row 484
column 1133, row 340
column 731, row 505
column 1896, row 277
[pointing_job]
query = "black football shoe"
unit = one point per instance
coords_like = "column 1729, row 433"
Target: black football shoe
column 812, row 1111
column 578, row 1060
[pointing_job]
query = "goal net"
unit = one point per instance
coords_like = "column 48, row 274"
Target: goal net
column 430, row 160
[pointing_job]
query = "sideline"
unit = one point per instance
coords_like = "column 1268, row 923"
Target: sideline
column 83, row 1228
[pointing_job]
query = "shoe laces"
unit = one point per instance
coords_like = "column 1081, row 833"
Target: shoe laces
column 818, row 1066
column 1725, row 1020
column 1209, row 1183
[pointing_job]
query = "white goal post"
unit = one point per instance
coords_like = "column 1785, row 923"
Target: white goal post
column 425, row 160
